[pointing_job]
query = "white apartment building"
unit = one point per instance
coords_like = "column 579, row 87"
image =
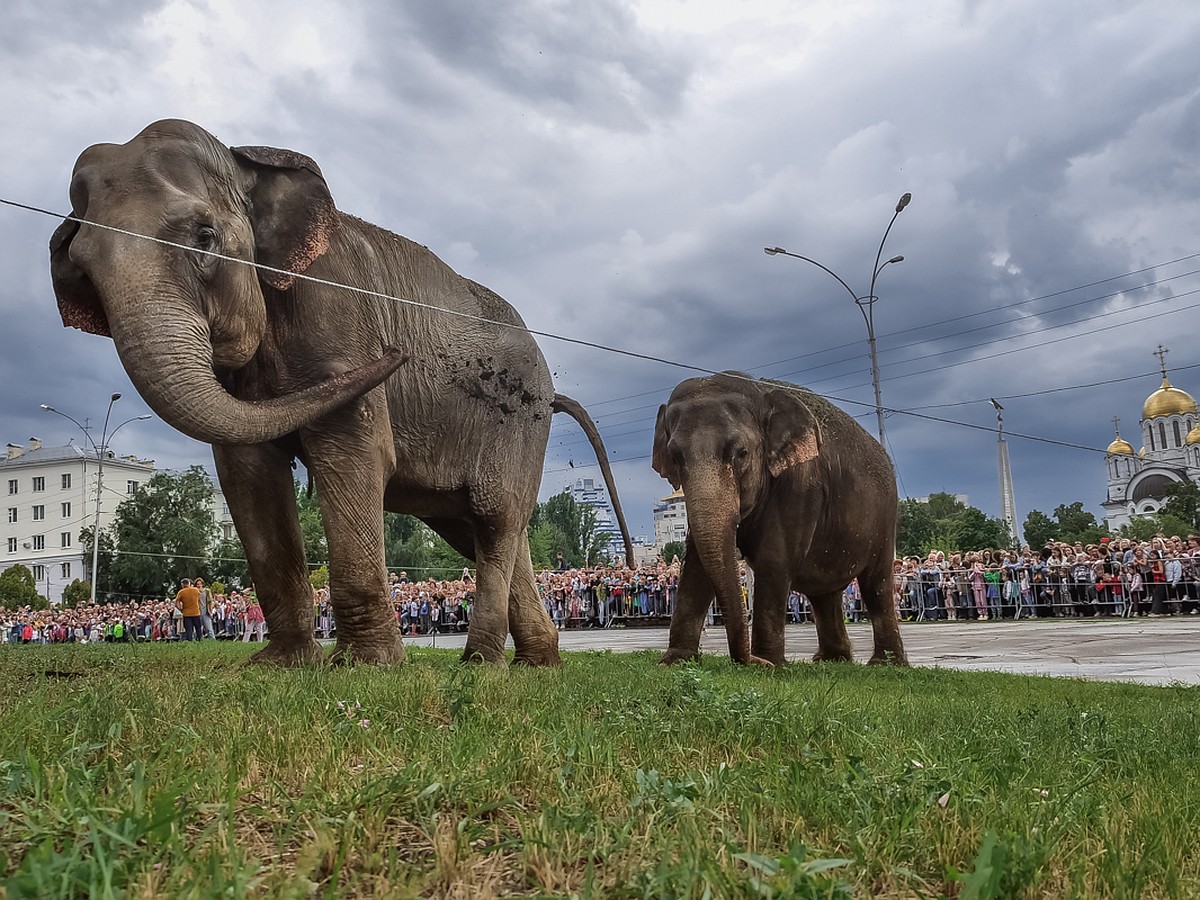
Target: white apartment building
column 670, row 520
column 49, row 496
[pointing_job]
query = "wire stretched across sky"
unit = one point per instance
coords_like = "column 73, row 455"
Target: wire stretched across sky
column 484, row 320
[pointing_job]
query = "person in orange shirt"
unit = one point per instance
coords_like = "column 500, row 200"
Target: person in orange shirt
column 188, row 601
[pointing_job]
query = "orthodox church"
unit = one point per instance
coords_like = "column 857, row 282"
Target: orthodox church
column 1170, row 453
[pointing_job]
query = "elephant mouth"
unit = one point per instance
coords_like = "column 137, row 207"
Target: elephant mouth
column 78, row 300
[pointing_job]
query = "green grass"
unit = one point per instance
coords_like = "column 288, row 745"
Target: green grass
column 176, row 771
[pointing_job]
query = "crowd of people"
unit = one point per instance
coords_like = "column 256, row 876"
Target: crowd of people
column 1117, row 577
column 1114, row 577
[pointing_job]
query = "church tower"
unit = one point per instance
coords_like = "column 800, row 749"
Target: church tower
column 1170, row 427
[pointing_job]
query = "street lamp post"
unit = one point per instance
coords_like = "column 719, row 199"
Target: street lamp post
column 101, row 450
column 866, row 305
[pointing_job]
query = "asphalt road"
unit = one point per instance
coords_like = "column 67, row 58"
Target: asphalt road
column 1148, row 651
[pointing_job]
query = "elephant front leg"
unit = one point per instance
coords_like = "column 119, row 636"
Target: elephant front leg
column 258, row 487
column 833, row 643
column 350, row 474
column 771, row 587
column 694, row 596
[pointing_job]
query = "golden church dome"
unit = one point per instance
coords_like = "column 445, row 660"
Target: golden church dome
column 1193, row 436
column 1120, row 445
column 1142, row 453
column 1168, row 401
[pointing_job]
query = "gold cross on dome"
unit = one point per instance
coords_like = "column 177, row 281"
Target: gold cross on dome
column 1161, row 353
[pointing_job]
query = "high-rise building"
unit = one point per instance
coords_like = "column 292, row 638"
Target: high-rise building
column 670, row 520
column 589, row 492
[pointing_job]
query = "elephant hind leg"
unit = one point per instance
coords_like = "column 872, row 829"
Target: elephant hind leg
column 877, row 594
column 496, row 550
column 833, row 643
column 534, row 635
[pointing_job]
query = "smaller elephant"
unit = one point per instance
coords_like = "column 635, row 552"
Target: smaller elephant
column 806, row 495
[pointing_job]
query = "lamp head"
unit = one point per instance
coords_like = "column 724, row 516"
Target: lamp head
column 995, row 403
column 114, row 398
column 771, row 251
column 49, row 408
column 905, row 199
column 895, row 259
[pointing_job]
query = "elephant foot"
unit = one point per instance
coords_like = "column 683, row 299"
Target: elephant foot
column 288, row 654
column 539, row 659
column 888, row 658
column 376, row 653
column 839, row 655
column 476, row 655
column 674, row 655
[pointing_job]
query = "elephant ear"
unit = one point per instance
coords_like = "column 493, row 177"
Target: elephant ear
column 792, row 434
column 660, row 459
column 291, row 210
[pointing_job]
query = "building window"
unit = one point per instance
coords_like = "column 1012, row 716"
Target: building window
column 39, row 513
column 39, row 542
column 66, row 570
column 1162, row 434
column 66, row 510
column 66, row 482
column 66, row 539
column 39, row 483
column 39, row 573
column 131, row 487
column 1150, row 433
column 12, row 545
column 12, row 485
column 1175, row 428
column 12, row 514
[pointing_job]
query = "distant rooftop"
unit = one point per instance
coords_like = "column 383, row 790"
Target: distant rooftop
column 34, row 453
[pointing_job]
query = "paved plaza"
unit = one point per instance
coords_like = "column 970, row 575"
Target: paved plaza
column 1148, row 651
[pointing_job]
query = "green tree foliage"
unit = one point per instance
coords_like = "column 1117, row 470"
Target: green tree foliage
column 319, row 577
column 312, row 530
column 412, row 546
column 1075, row 524
column 163, row 533
column 944, row 523
column 1182, row 502
column 546, row 541
column 1171, row 525
column 17, row 589
column 1040, row 529
column 583, row 541
column 673, row 549
column 107, row 551
column 77, row 592
column 914, row 529
column 1140, row 529
column 229, row 562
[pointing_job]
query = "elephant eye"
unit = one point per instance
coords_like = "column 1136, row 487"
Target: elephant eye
column 206, row 238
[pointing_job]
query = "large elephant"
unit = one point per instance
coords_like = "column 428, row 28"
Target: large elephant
column 805, row 494
column 436, row 404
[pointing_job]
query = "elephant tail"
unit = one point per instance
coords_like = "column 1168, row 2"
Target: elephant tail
column 564, row 404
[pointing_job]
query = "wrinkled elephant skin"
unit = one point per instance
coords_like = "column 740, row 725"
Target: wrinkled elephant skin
column 806, row 495
column 438, row 407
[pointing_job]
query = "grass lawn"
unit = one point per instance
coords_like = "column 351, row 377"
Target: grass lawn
column 175, row 771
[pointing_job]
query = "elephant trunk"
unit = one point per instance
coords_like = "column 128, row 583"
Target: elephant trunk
column 712, row 505
column 169, row 357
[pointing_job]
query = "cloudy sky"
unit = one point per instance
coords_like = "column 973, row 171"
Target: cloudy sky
column 614, row 169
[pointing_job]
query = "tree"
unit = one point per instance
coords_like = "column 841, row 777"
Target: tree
column 1171, row 525
column 164, row 532
column 1141, row 528
column 78, row 591
column 546, row 540
column 914, row 527
column 1040, row 529
column 1182, row 502
column 229, row 560
column 1075, row 524
column 17, row 589
column 319, row 577
column 312, row 529
column 107, row 552
column 976, row 531
column 673, row 549
column 583, row 541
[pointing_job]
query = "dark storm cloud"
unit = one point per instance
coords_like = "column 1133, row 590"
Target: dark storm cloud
column 591, row 62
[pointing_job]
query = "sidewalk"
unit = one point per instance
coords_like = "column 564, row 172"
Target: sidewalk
column 1148, row 651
